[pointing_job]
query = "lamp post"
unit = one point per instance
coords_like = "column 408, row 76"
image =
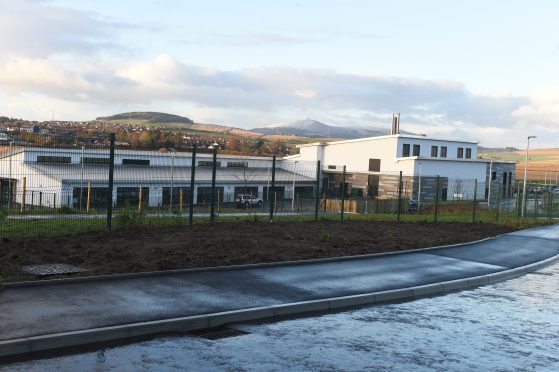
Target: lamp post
column 525, row 175
column 293, row 186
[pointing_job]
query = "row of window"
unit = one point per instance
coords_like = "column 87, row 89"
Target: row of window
column 105, row 161
column 435, row 151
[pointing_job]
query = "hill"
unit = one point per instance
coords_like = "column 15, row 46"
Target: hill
column 150, row 117
column 313, row 128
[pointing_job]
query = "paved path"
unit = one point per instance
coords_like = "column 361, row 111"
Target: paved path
column 42, row 310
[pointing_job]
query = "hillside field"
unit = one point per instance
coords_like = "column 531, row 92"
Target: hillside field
column 543, row 164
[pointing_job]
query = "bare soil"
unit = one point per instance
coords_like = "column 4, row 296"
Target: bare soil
column 234, row 243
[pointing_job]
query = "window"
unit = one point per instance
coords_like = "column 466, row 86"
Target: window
column 434, row 151
column 54, row 159
column 505, row 174
column 95, row 160
column 237, row 164
column 135, row 161
column 374, row 165
column 460, row 153
column 468, row 153
column 208, row 163
column 406, row 150
column 443, row 151
column 493, row 176
column 416, row 149
column 331, row 167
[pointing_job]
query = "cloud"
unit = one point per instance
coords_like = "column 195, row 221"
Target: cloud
column 428, row 106
column 35, row 28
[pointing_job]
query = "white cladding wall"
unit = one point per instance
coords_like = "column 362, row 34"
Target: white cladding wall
column 461, row 175
column 355, row 155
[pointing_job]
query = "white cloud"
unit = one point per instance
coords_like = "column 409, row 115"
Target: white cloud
column 259, row 96
column 35, row 28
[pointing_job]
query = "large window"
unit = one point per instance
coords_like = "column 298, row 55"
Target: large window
column 443, row 151
column 416, row 150
column 178, row 194
column 135, row 161
column 54, row 159
column 208, row 163
column 468, row 153
column 97, row 197
column 237, row 164
column 406, row 150
column 95, row 160
column 130, row 196
column 204, row 195
column 434, row 151
column 460, row 153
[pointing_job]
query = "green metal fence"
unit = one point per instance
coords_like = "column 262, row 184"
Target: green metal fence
column 50, row 185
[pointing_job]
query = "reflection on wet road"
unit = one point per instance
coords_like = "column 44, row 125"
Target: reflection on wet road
column 508, row 326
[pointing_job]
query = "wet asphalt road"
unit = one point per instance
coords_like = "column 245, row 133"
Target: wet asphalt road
column 50, row 309
column 510, row 326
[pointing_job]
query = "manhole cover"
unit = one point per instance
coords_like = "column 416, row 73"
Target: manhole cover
column 218, row 333
column 51, row 269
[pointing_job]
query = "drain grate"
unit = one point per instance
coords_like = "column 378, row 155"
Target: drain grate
column 51, row 269
column 218, row 333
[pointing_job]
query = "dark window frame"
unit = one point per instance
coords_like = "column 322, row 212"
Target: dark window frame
column 434, row 151
column 406, row 150
column 444, row 151
column 142, row 162
column 468, row 153
column 460, row 153
column 54, row 159
column 416, row 150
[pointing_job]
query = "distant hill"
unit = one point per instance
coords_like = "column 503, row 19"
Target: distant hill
column 314, row 128
column 151, row 117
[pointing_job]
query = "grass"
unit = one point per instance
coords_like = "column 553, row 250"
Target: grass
column 51, row 227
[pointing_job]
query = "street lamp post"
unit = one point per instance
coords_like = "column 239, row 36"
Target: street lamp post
column 293, row 187
column 525, row 175
column 10, row 180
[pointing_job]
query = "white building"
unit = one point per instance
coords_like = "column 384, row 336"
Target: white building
column 373, row 165
column 54, row 177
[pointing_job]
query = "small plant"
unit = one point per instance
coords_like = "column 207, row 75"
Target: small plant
column 325, row 236
column 66, row 209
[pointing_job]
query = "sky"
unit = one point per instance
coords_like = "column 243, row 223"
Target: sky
column 473, row 70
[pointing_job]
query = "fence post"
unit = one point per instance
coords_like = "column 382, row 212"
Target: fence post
column 111, row 183
column 475, row 202
column 272, row 189
column 437, row 187
column 140, row 200
column 40, row 198
column 180, row 200
column 317, row 191
column 88, row 206
column 23, row 189
column 212, row 196
column 549, row 204
column 518, row 203
column 343, row 193
column 191, row 195
column 54, row 201
column 535, row 206
column 400, row 185
column 498, row 202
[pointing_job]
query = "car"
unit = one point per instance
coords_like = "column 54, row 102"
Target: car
column 246, row 200
column 414, row 206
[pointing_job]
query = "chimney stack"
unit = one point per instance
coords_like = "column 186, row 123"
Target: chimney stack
column 395, row 124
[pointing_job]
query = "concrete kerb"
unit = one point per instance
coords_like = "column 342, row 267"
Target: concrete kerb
column 224, row 268
column 126, row 331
